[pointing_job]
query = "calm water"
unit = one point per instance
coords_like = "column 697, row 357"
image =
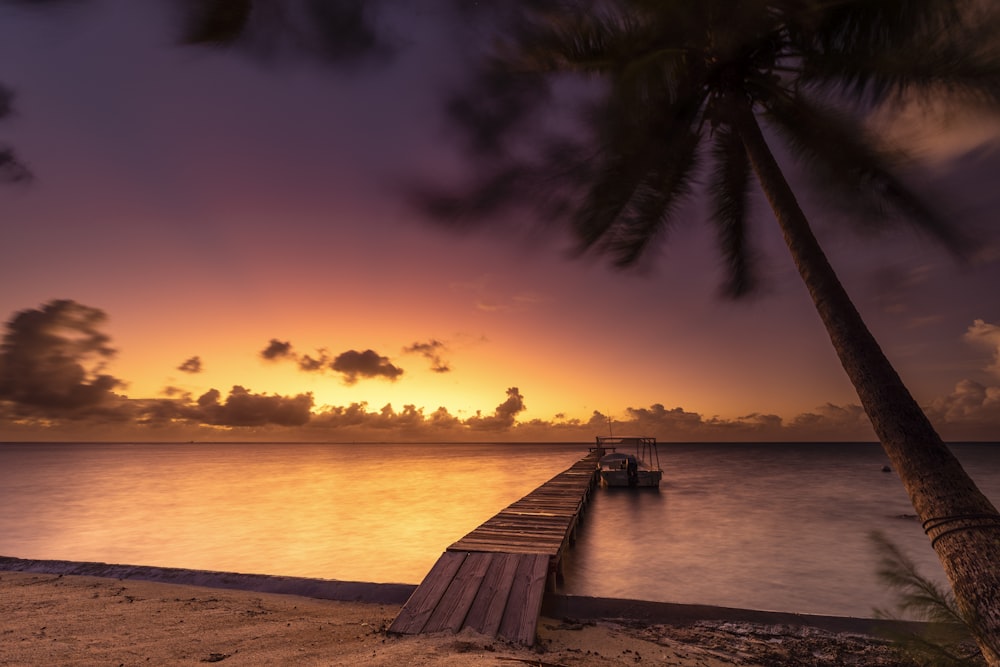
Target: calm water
column 761, row 526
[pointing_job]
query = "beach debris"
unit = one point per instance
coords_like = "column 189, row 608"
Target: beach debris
column 531, row 661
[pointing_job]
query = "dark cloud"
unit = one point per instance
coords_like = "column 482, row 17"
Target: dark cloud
column 242, row 408
column 53, row 359
column 352, row 364
column 431, row 350
column 409, row 423
column 277, row 349
column 442, row 419
column 369, row 364
column 192, row 365
column 311, row 365
column 657, row 419
column 173, row 392
column 503, row 417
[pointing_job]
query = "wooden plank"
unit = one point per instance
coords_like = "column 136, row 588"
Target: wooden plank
column 520, row 619
column 523, row 530
column 523, row 527
column 522, row 548
column 501, row 537
column 513, row 538
column 455, row 603
column 487, row 609
column 414, row 614
column 502, row 549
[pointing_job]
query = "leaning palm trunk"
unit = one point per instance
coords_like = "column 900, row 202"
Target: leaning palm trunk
column 962, row 524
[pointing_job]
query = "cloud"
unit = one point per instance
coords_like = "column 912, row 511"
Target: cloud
column 52, row 359
column 368, row 364
column 656, row 418
column 988, row 335
column 410, row 421
column 277, row 349
column 310, row 365
column 431, row 350
column 972, row 410
column 503, row 416
column 192, row 365
column 242, row 408
column 833, row 422
column 352, row 364
column 970, row 399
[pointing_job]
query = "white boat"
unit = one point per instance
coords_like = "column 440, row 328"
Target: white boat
column 637, row 466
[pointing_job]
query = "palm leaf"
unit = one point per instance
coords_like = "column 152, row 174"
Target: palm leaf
column 219, row 22
column 12, row 170
column 877, row 51
column 655, row 200
column 647, row 157
column 845, row 161
column 947, row 640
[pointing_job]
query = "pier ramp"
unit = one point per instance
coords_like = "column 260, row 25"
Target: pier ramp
column 493, row 579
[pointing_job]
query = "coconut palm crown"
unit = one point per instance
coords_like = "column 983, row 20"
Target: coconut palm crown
column 677, row 88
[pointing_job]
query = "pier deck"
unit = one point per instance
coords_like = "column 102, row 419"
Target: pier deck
column 493, row 579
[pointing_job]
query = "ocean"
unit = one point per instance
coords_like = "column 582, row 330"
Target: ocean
column 762, row 526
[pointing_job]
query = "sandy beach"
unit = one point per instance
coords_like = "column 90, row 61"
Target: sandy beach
column 63, row 619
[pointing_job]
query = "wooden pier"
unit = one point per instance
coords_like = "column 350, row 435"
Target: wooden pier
column 493, row 579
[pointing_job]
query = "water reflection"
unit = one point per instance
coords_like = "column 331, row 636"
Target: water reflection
column 764, row 526
column 370, row 513
column 782, row 527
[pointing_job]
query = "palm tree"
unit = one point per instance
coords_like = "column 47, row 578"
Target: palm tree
column 685, row 82
column 671, row 85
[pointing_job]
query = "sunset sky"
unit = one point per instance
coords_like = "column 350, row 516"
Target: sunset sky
column 244, row 228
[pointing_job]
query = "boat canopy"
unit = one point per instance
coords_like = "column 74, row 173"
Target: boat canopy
column 644, row 448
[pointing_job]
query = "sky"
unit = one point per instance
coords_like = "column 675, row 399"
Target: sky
column 218, row 247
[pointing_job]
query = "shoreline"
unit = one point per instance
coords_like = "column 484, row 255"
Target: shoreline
column 79, row 613
column 555, row 605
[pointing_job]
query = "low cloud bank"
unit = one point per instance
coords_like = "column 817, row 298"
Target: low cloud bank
column 54, row 385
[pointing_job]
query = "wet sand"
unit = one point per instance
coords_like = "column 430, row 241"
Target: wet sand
column 59, row 618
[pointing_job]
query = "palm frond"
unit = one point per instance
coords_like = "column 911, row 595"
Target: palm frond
column 12, row 170
column 947, row 641
column 491, row 194
column 577, row 42
column 846, row 161
column 647, row 158
column 6, row 101
column 218, row 22
column 654, row 202
column 879, row 51
column 917, row 594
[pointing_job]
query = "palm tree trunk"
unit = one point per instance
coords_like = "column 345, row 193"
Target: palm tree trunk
column 962, row 524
